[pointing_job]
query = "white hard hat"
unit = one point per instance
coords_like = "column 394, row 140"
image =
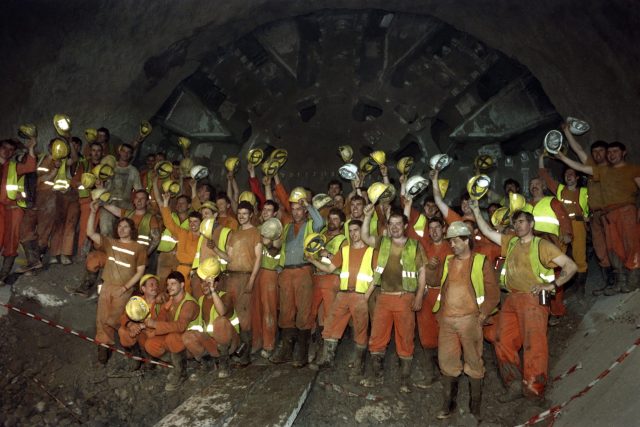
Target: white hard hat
column 577, row 126
column 440, row 161
column 416, row 185
column 553, row 142
column 199, row 172
column 348, row 171
column 457, row 229
column 271, row 229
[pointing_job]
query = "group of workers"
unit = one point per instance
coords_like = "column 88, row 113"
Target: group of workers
column 271, row 273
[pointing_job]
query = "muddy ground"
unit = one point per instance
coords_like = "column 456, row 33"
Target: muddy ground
column 40, row 364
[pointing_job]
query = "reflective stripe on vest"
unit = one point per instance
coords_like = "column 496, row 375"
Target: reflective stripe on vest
column 583, row 199
column 333, row 246
column 545, row 218
column 187, row 297
column 542, row 273
column 407, row 260
column 213, row 315
column 167, row 241
column 15, row 185
column 222, row 245
column 420, row 225
column 308, row 228
column 365, row 272
column 83, row 192
column 144, row 229
column 477, row 279
column 268, row 261
column 61, row 180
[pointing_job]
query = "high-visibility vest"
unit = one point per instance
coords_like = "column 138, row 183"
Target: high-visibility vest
column 477, row 279
column 213, row 315
column 545, row 217
column 187, row 297
column 583, row 199
column 61, row 180
column 407, row 260
column 365, row 273
column 268, row 261
column 222, row 245
column 373, row 226
column 144, row 228
column 15, row 185
column 333, row 246
column 167, row 241
column 83, row 192
column 308, row 229
column 420, row 226
column 543, row 274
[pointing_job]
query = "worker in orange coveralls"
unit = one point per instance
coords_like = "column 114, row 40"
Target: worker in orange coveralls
column 132, row 333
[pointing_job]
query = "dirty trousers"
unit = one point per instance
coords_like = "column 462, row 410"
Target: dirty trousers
column 49, row 206
column 264, row 309
column 348, row 305
column 158, row 345
column 167, row 262
column 235, row 284
column 523, row 324
column 579, row 245
column 426, row 320
column 598, row 239
column 622, row 234
column 110, row 307
column 460, row 336
column 198, row 343
column 295, row 287
column 393, row 311
column 63, row 237
column 10, row 219
column 325, row 288
column 128, row 342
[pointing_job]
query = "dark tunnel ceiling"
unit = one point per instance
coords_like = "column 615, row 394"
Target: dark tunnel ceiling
column 372, row 79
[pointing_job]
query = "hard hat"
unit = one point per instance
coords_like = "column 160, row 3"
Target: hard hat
column 416, row 185
column 209, row 268
column 528, row 207
column 91, row 135
column 100, row 194
column 440, row 161
column 255, row 156
column 348, row 171
column 500, row 216
column 146, row 277
column 164, row 169
column 478, row 186
column 553, row 142
column 271, row 229
column 232, row 164
column 206, row 226
column 346, row 153
column 137, row 308
column 59, row 149
column 88, row 180
column 388, row 195
column 145, row 129
column 280, row 156
column 457, row 229
column 185, row 166
column 405, row 165
column 321, row 200
column 443, row 185
column 103, row 171
column 171, row 186
column 366, row 165
column 248, row 196
column 376, row 190
column 379, row 157
column 62, row 123
column 577, row 126
column 209, row 205
column 516, row 202
column 184, row 142
column 297, row 194
column 28, row 131
column 314, row 243
column 109, row 160
column 483, row 162
column 270, row 167
column 199, row 172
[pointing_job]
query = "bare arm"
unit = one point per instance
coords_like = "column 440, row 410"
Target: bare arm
column 385, row 174
column 266, row 181
column 91, row 226
column 364, row 231
column 232, row 191
column 575, row 146
column 574, row 165
column 256, row 267
column 484, row 228
column 116, row 211
column 437, row 196
column 327, row 268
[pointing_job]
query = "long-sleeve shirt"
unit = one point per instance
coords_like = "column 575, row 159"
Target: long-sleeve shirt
column 254, row 184
column 571, row 198
column 187, row 241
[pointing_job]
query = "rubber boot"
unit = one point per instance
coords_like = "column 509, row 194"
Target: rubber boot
column 284, row 352
column 301, row 355
column 325, row 360
column 223, row 361
column 316, row 344
column 475, row 397
column 430, row 368
column 405, row 374
column 623, row 281
column 245, row 341
column 32, row 253
column 633, row 279
column 449, row 397
column 7, row 265
column 618, row 271
column 177, row 373
column 376, row 376
column 580, row 283
column 513, row 392
column 608, row 279
column 88, row 282
column 359, row 357
column 103, row 355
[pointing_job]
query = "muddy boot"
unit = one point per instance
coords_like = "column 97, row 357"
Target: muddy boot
column 32, row 253
column 513, row 392
column 619, row 273
column 376, row 376
column 608, row 280
column 147, row 366
column 405, row 375
column 284, row 352
column 84, row 290
column 223, row 361
column 633, row 279
column 449, row 397
column 580, row 283
column 623, row 281
column 65, row 260
column 103, row 355
column 325, row 360
column 7, row 265
column 359, row 357
column 175, row 377
column 301, row 355
column 245, row 341
column 316, row 344
column 475, row 397
column 430, row 368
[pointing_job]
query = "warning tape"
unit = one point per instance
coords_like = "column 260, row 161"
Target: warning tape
column 555, row 410
column 341, row 390
column 84, row 337
column 60, row 402
column 569, row 371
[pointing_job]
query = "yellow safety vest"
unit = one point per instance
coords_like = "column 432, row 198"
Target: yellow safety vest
column 167, row 241
column 583, row 199
column 543, row 274
column 477, row 279
column 222, row 245
column 61, row 181
column 420, row 226
column 408, row 262
column 83, row 192
column 332, row 247
column 545, row 217
column 144, row 229
column 187, row 297
column 308, row 229
column 213, row 315
column 15, row 185
column 365, row 273
column 268, row 261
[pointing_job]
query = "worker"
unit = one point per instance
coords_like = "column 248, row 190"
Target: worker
column 92, row 160
column 449, row 214
column 522, row 324
column 167, row 260
column 225, row 213
column 468, row 295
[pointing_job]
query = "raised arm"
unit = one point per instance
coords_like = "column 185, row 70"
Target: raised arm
column 364, row 230
column 484, row 228
column 232, row 191
column 437, row 196
column 574, row 165
column 91, row 226
column 575, row 146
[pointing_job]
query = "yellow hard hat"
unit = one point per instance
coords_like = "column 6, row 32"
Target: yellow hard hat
column 145, row 129
column 443, row 185
column 91, row 135
column 404, row 165
column 376, row 190
column 209, row 268
column 321, row 200
column 478, row 186
column 248, row 196
column 314, row 243
column 232, row 164
column 297, row 194
column 101, row 194
column 137, row 308
column 516, row 202
column 366, row 165
column 103, row 171
column 271, row 229
column 206, row 227
column 109, row 160
column 528, row 208
column 28, row 131
column 59, row 149
column 500, row 217
column 88, row 180
column 185, row 166
column 209, row 205
column 164, row 169
column 62, row 123
column 348, row 171
column 439, row 161
column 346, row 153
column 199, row 172
column 255, row 156
column 379, row 157
column 270, row 167
column 146, row 277
column 171, row 186
column 483, row 162
column 184, row 142
column 280, row 156
column 416, row 185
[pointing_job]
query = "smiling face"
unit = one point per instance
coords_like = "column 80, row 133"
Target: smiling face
column 194, row 224
column 396, row 227
column 244, row 216
column 124, row 230
column 140, row 201
column 268, row 212
column 536, row 188
column 333, row 222
column 7, row 151
column 599, row 155
column 150, row 288
column 357, row 208
column 570, row 177
column 354, row 233
column 174, row 287
column 615, row 155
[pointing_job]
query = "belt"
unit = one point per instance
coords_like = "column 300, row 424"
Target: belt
column 395, row 293
column 287, row 267
column 433, row 287
column 351, row 292
column 185, row 263
column 577, row 218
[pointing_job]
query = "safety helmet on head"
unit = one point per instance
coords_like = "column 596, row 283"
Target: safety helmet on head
column 59, row 149
column 405, row 165
column 379, row 156
column 457, row 229
column 577, row 126
column 346, row 153
column 208, row 205
column 280, row 156
column 185, row 166
column 271, row 229
column 137, row 308
column 416, row 185
column 478, row 186
column 553, row 142
column 440, row 161
column 145, row 129
column 232, row 164
column 184, row 142
column 321, row 200
column 199, row 172
column 483, row 162
column 170, row 186
column 348, row 171
column 209, row 268
column 255, row 156
column 146, row 277
column 443, row 185
column 28, row 131
column 62, row 123
column 88, row 180
column 314, row 243
column 248, row 196
column 297, row 194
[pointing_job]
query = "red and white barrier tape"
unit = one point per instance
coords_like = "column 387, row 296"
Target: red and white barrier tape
column 84, row 337
column 569, row 371
column 555, row 410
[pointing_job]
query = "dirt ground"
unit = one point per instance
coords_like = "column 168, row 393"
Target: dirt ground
column 49, row 378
